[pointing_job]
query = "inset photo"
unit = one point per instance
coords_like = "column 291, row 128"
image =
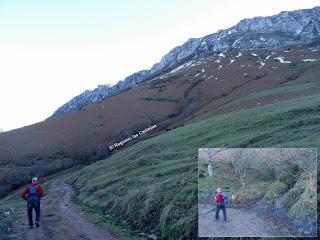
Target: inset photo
column 257, row 192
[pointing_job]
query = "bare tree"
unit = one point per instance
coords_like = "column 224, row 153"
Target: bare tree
column 306, row 158
column 280, row 160
column 241, row 161
column 211, row 153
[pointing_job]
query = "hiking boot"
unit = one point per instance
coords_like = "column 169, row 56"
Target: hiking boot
column 37, row 225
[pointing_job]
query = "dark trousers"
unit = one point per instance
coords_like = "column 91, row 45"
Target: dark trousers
column 223, row 208
column 37, row 210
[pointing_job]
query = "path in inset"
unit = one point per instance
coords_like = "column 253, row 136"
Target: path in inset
column 60, row 220
column 240, row 223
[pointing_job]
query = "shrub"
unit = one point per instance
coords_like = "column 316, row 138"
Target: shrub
column 102, row 151
column 291, row 197
column 304, row 207
column 274, row 192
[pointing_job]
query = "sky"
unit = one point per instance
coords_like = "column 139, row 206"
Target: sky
column 52, row 50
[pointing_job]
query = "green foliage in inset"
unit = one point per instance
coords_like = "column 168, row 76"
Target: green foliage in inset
column 274, row 192
column 291, row 197
column 302, row 207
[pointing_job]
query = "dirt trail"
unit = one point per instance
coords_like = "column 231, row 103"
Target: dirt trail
column 60, row 220
column 240, row 223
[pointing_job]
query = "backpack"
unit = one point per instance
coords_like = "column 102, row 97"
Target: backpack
column 225, row 199
column 33, row 198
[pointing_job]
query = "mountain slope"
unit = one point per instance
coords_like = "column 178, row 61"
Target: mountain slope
column 278, row 31
column 205, row 86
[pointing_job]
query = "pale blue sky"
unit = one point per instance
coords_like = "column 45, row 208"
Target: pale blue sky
column 51, row 51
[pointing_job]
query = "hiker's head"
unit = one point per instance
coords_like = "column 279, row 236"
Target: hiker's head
column 34, row 180
column 219, row 190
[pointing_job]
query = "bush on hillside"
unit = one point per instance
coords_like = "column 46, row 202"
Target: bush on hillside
column 274, row 192
column 305, row 206
column 291, row 197
column 102, row 151
column 290, row 177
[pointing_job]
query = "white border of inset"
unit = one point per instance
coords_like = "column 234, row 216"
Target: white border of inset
column 217, row 236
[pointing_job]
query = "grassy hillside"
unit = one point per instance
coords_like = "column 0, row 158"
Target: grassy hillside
column 152, row 185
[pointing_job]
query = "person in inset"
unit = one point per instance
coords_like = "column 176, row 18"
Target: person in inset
column 32, row 194
column 221, row 204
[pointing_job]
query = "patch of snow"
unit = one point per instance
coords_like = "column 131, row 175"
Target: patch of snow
column 262, row 39
column 216, row 78
column 183, row 66
column 218, row 61
column 273, row 53
column 287, row 51
column 309, row 60
column 221, row 55
column 259, row 103
column 254, row 54
column 197, row 75
column 239, row 55
column 280, row 59
column 242, row 65
column 262, row 64
column 202, row 70
column 268, row 57
column 220, row 67
column 274, row 67
column 245, row 74
column 209, row 77
column 231, row 31
column 314, row 50
column 231, row 61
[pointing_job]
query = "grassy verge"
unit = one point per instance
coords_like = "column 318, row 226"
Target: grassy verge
column 116, row 225
column 152, row 185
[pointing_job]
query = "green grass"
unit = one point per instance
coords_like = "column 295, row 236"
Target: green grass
column 152, row 185
column 116, row 225
column 306, row 65
column 274, row 91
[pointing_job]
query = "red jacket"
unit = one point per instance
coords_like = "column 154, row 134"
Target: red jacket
column 26, row 191
column 218, row 197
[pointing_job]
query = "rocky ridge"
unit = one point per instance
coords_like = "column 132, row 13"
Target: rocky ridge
column 300, row 27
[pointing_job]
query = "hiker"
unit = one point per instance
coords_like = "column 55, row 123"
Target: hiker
column 221, row 200
column 32, row 194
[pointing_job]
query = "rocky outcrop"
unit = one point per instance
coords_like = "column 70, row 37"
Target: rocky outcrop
column 286, row 29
